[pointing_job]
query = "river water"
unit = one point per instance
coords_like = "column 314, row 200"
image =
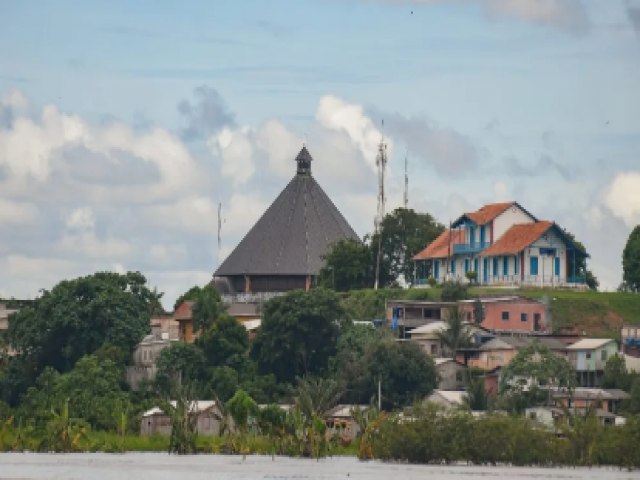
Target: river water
column 158, row 466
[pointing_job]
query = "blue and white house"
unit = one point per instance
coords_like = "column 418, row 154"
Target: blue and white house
column 503, row 244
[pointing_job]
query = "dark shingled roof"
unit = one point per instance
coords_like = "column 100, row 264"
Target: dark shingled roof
column 293, row 234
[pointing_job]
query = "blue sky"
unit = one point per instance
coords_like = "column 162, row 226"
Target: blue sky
column 123, row 124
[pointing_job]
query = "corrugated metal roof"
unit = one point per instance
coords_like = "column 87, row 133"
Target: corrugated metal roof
column 451, row 396
column 197, row 406
column 589, row 343
column 293, row 234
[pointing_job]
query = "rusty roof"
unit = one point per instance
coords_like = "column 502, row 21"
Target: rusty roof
column 441, row 247
column 517, row 238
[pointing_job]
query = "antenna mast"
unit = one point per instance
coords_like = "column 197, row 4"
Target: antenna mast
column 381, row 164
column 406, row 183
column 219, row 233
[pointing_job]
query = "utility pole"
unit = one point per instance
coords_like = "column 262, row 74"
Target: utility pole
column 381, row 164
column 406, row 183
column 219, row 234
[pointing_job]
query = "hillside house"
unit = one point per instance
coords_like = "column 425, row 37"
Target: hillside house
column 450, row 374
column 448, row 398
column 604, row 403
column 156, row 421
column 510, row 313
column 499, row 351
column 589, row 357
column 503, row 244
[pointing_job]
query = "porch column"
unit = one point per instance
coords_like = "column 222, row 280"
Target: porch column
column 247, row 284
column 307, row 283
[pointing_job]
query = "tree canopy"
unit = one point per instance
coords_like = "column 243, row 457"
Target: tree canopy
column 348, row 265
column 405, row 232
column 631, row 261
column 298, row 333
column 79, row 316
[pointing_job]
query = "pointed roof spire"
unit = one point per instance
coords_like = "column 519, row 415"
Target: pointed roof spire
column 304, row 161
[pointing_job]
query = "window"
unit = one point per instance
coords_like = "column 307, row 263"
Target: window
column 469, row 316
column 453, row 266
column 533, row 265
column 603, row 355
column 556, row 266
column 505, row 315
column 466, row 265
column 588, row 355
column 524, row 317
column 515, row 264
column 505, row 266
column 495, row 267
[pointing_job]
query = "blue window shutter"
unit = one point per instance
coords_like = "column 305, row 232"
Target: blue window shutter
column 453, row 266
column 533, row 265
column 515, row 264
column 505, row 266
column 495, row 266
column 557, row 266
column 466, row 265
column 475, row 265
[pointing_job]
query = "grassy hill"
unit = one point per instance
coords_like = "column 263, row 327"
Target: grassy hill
column 595, row 313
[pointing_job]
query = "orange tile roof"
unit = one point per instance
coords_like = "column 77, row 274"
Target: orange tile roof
column 439, row 248
column 488, row 212
column 517, row 238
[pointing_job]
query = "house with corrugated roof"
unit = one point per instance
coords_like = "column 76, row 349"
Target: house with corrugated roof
column 503, row 244
column 589, row 357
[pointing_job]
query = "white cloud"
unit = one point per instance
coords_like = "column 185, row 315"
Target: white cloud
column 623, row 197
column 236, row 150
column 81, row 219
column 500, row 192
column 338, row 115
column 17, row 213
column 87, row 245
column 281, row 146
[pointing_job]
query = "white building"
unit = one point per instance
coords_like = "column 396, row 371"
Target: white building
column 504, row 245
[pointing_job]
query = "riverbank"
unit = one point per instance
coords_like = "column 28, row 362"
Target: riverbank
column 159, row 466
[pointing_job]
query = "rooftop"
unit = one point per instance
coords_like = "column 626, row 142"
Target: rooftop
column 589, row 343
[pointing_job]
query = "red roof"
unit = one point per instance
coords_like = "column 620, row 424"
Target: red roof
column 488, row 212
column 517, row 238
column 442, row 246
column 184, row 312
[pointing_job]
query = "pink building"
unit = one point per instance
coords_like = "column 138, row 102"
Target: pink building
column 509, row 314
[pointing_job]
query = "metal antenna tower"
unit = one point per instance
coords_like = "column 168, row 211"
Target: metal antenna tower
column 406, row 182
column 219, row 234
column 381, row 164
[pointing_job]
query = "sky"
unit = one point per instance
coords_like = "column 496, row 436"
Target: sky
column 123, row 125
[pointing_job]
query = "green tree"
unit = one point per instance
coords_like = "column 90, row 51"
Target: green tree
column 631, row 261
column 207, row 308
column 180, row 364
column 533, row 367
column 580, row 267
column 79, row 316
column 190, row 295
column 315, row 396
column 615, row 374
column 405, row 232
column 242, row 407
column 405, row 373
column 348, row 265
column 457, row 334
column 225, row 343
column 298, row 333
column 454, row 291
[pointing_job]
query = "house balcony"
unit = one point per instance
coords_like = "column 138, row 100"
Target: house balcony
column 469, row 248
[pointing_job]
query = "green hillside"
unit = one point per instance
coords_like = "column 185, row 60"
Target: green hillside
column 595, row 313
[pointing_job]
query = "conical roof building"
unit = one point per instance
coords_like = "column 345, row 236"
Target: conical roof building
column 283, row 250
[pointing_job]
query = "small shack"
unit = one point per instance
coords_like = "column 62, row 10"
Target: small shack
column 156, row 421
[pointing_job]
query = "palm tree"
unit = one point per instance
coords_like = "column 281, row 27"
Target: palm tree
column 456, row 335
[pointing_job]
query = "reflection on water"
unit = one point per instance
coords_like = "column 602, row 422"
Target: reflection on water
column 142, row 466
